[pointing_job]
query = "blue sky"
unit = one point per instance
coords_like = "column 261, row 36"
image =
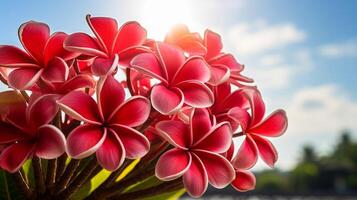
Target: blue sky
column 303, row 54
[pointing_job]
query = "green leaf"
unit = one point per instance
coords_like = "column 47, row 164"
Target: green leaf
column 8, row 187
column 28, row 173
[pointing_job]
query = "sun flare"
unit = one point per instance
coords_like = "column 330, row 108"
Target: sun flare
column 160, row 15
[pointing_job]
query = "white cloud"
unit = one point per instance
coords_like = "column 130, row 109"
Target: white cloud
column 277, row 71
column 337, row 50
column 323, row 109
column 259, row 36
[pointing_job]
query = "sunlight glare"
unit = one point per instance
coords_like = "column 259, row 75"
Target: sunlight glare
column 158, row 16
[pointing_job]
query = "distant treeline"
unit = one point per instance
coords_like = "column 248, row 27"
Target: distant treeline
column 333, row 173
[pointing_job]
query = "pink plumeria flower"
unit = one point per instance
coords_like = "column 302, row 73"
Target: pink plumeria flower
column 196, row 153
column 108, row 125
column 26, row 132
column 111, row 44
column 182, row 80
column 44, row 57
column 255, row 128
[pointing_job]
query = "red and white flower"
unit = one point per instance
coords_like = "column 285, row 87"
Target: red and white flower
column 111, row 45
column 108, row 125
column 181, row 80
column 255, row 128
column 196, row 152
column 26, row 132
column 44, row 57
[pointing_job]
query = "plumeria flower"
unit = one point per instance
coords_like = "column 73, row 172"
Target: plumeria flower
column 181, row 80
column 44, row 57
column 108, row 125
column 26, row 132
column 196, row 153
column 255, row 128
column 111, row 44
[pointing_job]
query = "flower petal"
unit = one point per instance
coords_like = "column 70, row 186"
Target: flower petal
column 130, row 34
column 136, row 145
column 229, row 61
column 42, row 110
column 219, row 74
column 13, row 157
column 104, row 66
column 54, row 48
column 171, row 58
column 110, row 95
column 166, row 101
column 11, row 56
column 200, row 124
column 175, row 132
column 10, row 133
column 137, row 106
column 83, row 43
column 196, row 94
column 218, row 140
column 219, row 170
column 239, row 116
column 79, row 81
column 80, row 106
column 195, row 178
column 195, row 68
column 257, row 105
column 127, row 55
column 148, row 64
column 247, row 154
column 213, row 44
column 85, row 140
column 235, row 99
column 244, row 181
column 33, row 36
column 51, row 142
column 165, row 169
column 105, row 29
column 266, row 150
column 273, row 126
column 24, row 78
column 56, row 71
column 111, row 153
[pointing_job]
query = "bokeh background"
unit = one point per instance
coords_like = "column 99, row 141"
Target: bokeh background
column 302, row 54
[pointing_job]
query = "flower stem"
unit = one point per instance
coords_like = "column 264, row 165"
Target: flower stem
column 121, row 185
column 79, row 180
column 164, row 187
column 114, row 175
column 21, row 183
column 37, row 168
column 51, row 173
column 67, row 175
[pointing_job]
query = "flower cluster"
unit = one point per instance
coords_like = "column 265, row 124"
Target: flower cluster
column 184, row 91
